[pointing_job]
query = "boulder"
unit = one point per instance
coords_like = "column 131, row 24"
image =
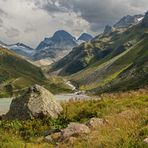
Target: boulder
column 74, row 129
column 95, row 122
column 37, row 102
column 67, row 134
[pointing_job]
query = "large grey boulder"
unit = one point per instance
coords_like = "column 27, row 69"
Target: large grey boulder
column 36, row 102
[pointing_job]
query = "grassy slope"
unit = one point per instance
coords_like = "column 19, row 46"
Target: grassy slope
column 99, row 50
column 126, row 114
column 103, row 74
column 106, row 70
column 135, row 75
column 16, row 74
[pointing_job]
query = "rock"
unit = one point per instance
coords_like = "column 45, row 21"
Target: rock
column 53, row 138
column 146, row 140
column 56, row 136
column 72, row 140
column 67, row 134
column 74, row 129
column 37, row 102
column 95, row 122
column 48, row 139
column 108, row 29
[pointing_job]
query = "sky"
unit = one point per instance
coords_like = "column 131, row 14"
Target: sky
column 30, row 21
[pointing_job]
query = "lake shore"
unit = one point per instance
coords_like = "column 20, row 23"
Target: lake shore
column 5, row 102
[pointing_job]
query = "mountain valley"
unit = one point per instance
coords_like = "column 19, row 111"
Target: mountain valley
column 70, row 91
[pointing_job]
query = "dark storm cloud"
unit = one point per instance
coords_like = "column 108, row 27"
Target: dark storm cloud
column 102, row 12
column 51, row 6
column 12, row 32
column 97, row 13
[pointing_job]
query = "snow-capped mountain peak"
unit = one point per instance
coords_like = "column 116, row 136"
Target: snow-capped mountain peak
column 128, row 20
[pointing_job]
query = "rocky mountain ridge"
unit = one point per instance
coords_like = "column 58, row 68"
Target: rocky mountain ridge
column 99, row 62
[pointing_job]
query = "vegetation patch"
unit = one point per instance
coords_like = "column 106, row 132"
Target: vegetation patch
column 126, row 115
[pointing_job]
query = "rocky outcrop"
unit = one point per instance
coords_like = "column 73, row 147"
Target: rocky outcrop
column 127, row 21
column 95, row 122
column 37, row 102
column 108, row 29
column 72, row 131
column 85, row 37
column 53, row 138
column 145, row 20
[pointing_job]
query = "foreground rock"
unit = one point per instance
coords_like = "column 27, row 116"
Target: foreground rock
column 95, row 122
column 37, row 102
column 73, row 130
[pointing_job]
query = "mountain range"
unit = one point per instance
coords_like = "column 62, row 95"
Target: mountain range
column 50, row 49
column 124, row 23
column 58, row 46
column 20, row 49
column 113, row 61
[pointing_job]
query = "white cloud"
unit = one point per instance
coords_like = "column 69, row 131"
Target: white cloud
column 34, row 24
column 36, row 19
column 12, row 32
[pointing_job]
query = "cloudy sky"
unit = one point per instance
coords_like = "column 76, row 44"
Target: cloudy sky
column 29, row 21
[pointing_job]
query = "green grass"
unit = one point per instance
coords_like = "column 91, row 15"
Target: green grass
column 16, row 75
column 126, row 114
column 104, row 81
column 103, row 74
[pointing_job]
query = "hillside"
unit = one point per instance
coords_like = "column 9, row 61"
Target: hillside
column 126, row 71
column 106, row 46
column 103, row 63
column 16, row 74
